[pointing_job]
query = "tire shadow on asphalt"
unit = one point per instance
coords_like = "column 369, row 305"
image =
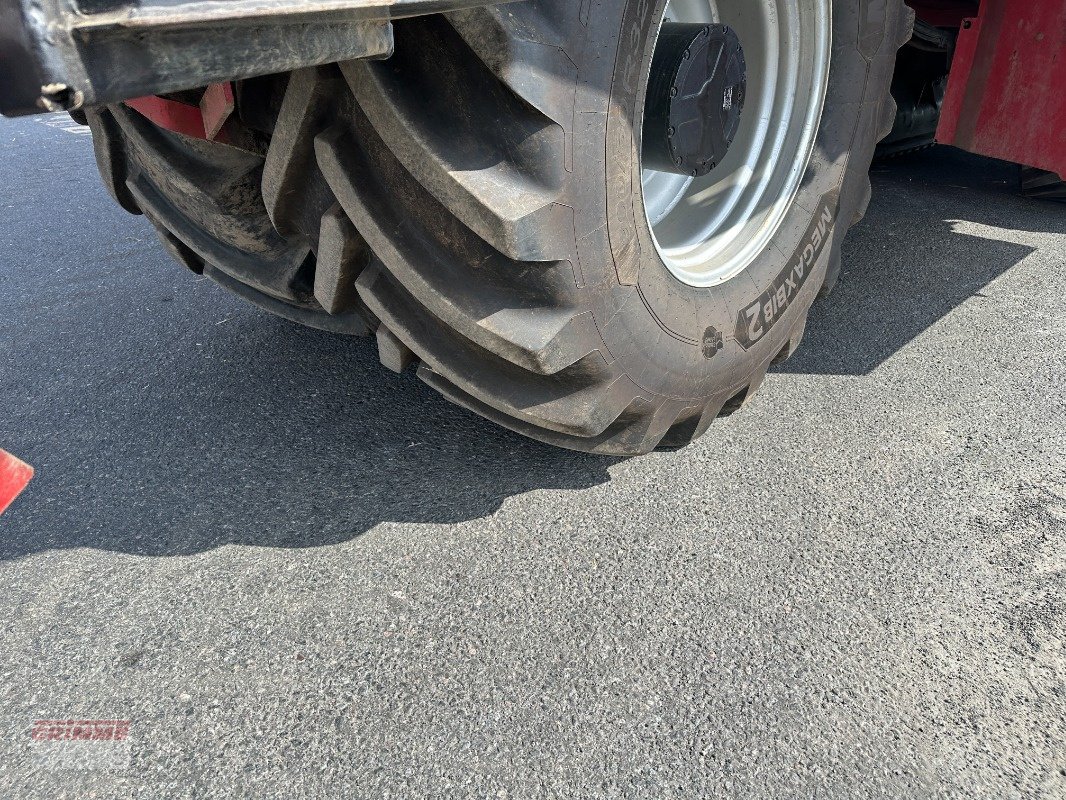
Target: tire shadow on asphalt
column 906, row 266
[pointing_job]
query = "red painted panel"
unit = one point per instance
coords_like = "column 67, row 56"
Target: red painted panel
column 171, row 115
column 14, row 475
column 1006, row 95
column 216, row 106
column 205, row 121
column 944, row 13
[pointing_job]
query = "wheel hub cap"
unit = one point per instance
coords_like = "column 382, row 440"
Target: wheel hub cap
column 695, row 98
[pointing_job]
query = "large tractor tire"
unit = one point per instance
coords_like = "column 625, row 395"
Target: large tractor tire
column 484, row 203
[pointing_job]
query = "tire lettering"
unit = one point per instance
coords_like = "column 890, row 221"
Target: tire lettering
column 755, row 330
column 756, row 320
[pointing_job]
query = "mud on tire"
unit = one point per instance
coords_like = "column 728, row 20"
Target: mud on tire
column 475, row 202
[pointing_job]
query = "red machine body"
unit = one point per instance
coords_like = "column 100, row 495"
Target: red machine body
column 1006, row 94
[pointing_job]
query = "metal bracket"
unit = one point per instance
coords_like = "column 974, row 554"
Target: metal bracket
column 64, row 54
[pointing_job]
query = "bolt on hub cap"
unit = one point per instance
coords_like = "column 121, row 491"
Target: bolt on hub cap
column 744, row 117
column 695, row 96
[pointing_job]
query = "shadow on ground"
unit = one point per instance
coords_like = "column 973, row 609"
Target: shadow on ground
column 291, row 438
column 267, row 434
column 905, row 266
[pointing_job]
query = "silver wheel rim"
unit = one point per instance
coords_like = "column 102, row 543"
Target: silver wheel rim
column 708, row 230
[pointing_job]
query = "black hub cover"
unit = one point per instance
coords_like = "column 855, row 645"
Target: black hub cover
column 695, row 96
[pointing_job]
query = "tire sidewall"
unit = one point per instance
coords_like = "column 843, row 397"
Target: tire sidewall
column 686, row 342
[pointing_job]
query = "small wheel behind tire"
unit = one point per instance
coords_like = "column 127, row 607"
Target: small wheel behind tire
column 485, row 191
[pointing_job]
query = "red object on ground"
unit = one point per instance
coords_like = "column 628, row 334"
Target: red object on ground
column 204, row 121
column 1006, row 96
column 14, row 475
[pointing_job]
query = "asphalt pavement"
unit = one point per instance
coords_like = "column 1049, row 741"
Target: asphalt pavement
column 299, row 575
